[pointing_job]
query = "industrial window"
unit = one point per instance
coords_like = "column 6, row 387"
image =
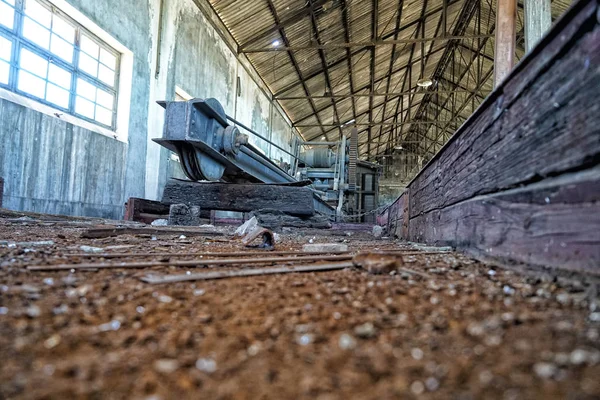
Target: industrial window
column 47, row 56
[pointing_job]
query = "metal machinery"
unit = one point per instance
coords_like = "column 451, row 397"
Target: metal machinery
column 343, row 181
column 211, row 149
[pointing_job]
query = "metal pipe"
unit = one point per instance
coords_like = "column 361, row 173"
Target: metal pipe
column 320, row 143
column 260, row 136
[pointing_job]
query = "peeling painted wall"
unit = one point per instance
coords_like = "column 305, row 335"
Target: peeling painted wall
column 52, row 166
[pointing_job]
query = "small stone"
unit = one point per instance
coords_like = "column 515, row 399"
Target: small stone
column 595, row 317
column 62, row 309
column 346, row 342
column 254, row 349
column 246, row 227
column 140, row 309
column 160, row 222
column 204, row 318
column 49, row 281
column 3, row 310
column 166, row 366
column 416, row 353
column 113, row 325
column 52, row 341
column 578, row 356
column 207, row 365
column 544, row 370
column 432, row 384
column 33, row 311
column 182, row 237
column 163, row 298
column 417, row 387
column 486, row 377
column 509, row 291
column 491, row 272
column 365, row 331
column 199, row 292
column 475, row 329
column 563, row 298
column 377, row 231
column 304, row 340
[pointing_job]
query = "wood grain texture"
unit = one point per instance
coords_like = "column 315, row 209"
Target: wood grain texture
column 555, row 223
column 544, row 121
column 519, row 183
column 240, row 197
column 142, row 210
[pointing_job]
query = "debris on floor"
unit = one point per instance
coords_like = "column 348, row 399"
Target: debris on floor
column 194, row 317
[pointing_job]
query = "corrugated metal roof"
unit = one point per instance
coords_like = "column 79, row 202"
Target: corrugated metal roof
column 347, row 67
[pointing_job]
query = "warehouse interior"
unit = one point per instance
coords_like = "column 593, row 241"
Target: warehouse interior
column 282, row 199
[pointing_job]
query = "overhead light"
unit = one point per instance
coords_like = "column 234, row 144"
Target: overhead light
column 276, row 43
column 425, row 83
column 399, row 147
column 349, row 122
column 323, row 137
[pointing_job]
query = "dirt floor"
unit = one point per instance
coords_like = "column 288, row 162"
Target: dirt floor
column 444, row 327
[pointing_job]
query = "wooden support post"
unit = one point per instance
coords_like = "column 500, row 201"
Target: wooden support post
column 538, row 19
column 506, row 37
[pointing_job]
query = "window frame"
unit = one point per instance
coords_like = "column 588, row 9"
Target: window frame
column 19, row 41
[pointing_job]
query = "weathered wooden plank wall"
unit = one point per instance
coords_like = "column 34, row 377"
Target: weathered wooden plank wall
column 520, row 181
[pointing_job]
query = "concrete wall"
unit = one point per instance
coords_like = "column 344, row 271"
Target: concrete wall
column 53, row 166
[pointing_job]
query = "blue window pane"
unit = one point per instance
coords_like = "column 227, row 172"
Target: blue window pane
column 31, row 84
column 38, row 13
column 33, row 63
column 36, row 33
column 61, row 48
column 7, row 15
column 5, row 49
column 4, row 72
column 57, row 95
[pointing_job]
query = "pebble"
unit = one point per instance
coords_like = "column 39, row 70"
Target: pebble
column 346, row 342
column 199, row 292
column 417, row 353
column 163, row 298
column 33, row 311
column 52, row 341
column 113, row 325
column 377, row 231
column 544, row 370
column 432, row 384
column 417, row 387
column 207, row 365
column 49, row 281
column 166, row 365
column 140, row 309
column 63, row 308
column 365, row 331
column 305, row 339
column 254, row 349
column 3, row 310
column 595, row 317
column 578, row 356
column 508, row 290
